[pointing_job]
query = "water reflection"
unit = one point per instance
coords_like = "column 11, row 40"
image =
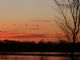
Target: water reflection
column 19, row 57
column 32, row 58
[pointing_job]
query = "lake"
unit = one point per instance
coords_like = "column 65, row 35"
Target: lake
column 33, row 57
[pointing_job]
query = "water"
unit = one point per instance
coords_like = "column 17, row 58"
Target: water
column 31, row 58
column 25, row 57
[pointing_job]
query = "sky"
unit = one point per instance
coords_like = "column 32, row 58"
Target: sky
column 28, row 20
column 21, row 11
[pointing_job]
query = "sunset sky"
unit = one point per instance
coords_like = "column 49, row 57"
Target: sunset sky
column 28, row 20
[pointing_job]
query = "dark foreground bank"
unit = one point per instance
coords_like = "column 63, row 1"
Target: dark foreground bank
column 16, row 46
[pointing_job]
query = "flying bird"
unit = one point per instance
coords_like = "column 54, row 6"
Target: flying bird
column 26, row 24
column 37, row 25
column 14, row 24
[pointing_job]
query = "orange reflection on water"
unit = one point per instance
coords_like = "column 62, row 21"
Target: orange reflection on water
column 32, row 58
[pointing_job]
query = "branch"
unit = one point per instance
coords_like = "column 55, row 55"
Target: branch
column 64, row 16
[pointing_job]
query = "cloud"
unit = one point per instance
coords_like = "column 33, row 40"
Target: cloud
column 25, row 36
column 33, row 36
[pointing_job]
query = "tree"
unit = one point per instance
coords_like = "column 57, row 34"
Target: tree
column 70, row 23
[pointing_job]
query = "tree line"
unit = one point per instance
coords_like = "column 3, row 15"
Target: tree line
column 16, row 46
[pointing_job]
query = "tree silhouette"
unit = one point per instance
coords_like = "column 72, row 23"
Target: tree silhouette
column 70, row 24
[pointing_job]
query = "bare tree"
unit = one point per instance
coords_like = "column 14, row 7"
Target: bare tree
column 70, row 24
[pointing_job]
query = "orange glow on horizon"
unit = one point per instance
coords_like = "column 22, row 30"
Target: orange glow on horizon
column 28, row 37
